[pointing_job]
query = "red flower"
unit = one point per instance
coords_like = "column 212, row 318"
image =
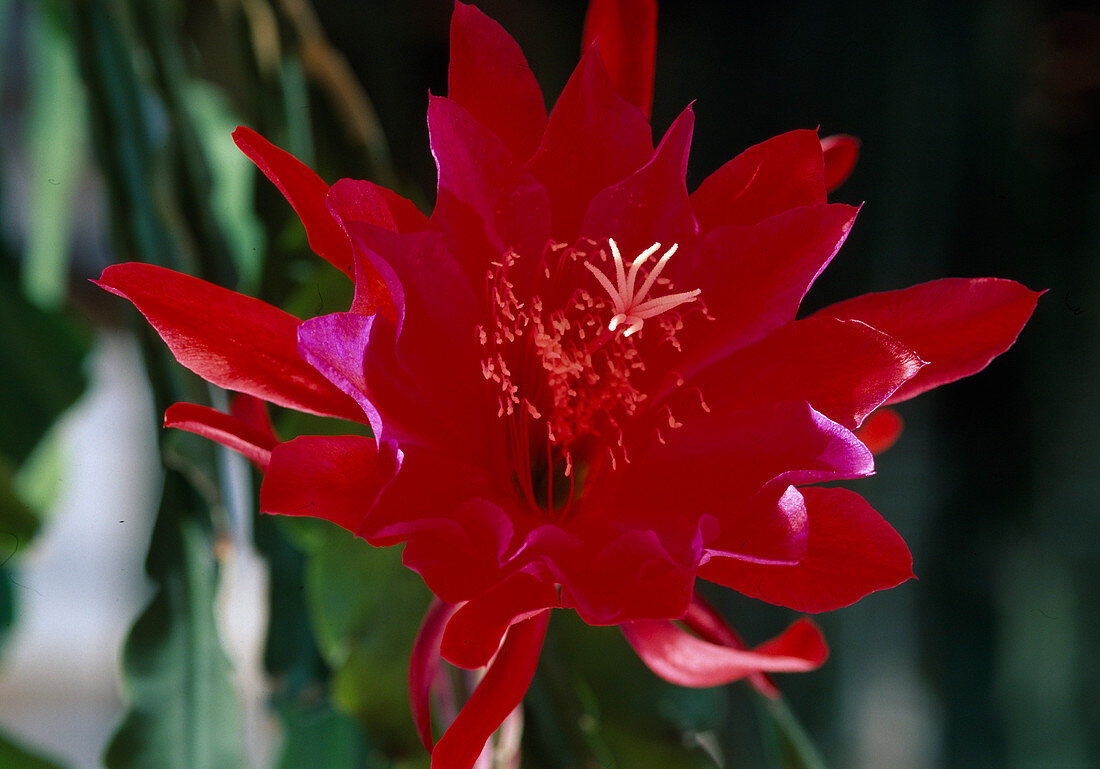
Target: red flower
column 587, row 386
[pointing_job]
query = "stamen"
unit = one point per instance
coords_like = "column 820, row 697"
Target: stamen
column 631, row 307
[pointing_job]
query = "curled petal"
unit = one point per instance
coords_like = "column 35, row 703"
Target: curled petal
column 686, row 660
column 475, row 632
column 424, row 668
column 230, row 431
column 626, row 32
column 498, row 694
column 709, row 625
column 958, row 325
column 851, row 552
column 840, row 153
column 229, row 339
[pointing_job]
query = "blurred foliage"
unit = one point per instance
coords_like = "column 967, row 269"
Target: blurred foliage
column 14, row 756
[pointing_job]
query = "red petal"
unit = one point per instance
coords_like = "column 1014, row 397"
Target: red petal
column 880, row 430
column 626, row 32
column 683, row 659
column 498, row 694
column 851, row 552
column 844, row 369
column 336, row 478
column 781, row 173
column 651, row 205
column 304, row 190
column 753, row 278
column 841, row 153
column 958, row 325
column 254, row 444
column 424, row 668
column 253, row 412
column 475, row 632
column 593, row 139
column 486, row 202
column 489, row 76
column 230, row 340
column 709, row 625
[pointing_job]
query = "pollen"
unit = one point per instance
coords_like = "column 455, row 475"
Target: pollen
column 632, row 306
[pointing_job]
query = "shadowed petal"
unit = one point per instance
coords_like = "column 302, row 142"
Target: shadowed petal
column 594, row 138
column 880, row 430
column 229, row 339
column 683, row 659
column 851, row 552
column 626, row 33
column 841, row 153
column 424, row 668
column 769, row 178
column 489, row 76
column 958, row 325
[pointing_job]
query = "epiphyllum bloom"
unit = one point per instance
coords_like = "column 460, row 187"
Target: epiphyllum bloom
column 587, row 387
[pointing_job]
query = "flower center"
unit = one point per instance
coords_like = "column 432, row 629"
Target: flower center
column 565, row 361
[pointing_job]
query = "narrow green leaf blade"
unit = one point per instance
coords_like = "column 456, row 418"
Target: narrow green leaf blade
column 183, row 710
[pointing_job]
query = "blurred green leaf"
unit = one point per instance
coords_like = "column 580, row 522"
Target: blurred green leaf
column 183, row 710
column 13, row 756
column 321, row 738
column 18, row 523
column 232, row 178
column 56, row 124
column 789, row 744
column 366, row 609
column 124, row 118
column 44, row 352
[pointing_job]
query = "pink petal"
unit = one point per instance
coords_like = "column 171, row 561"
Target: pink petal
column 594, row 138
column 254, row 444
column 881, row 430
column 332, row 477
column 229, row 339
column 490, row 78
column 626, row 33
column 304, row 190
column 841, row 153
column 651, row 205
column 851, row 552
column 498, row 694
column 702, row 620
column 769, row 178
column 486, row 202
column 683, row 659
column 424, row 668
column 958, row 325
column 475, row 631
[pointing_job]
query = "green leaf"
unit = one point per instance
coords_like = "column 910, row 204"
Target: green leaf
column 321, row 738
column 183, row 710
column 232, row 178
column 14, row 756
column 366, row 609
column 56, row 125
column 789, row 744
column 44, row 352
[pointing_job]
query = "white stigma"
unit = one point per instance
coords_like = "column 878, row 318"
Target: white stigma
column 632, row 308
